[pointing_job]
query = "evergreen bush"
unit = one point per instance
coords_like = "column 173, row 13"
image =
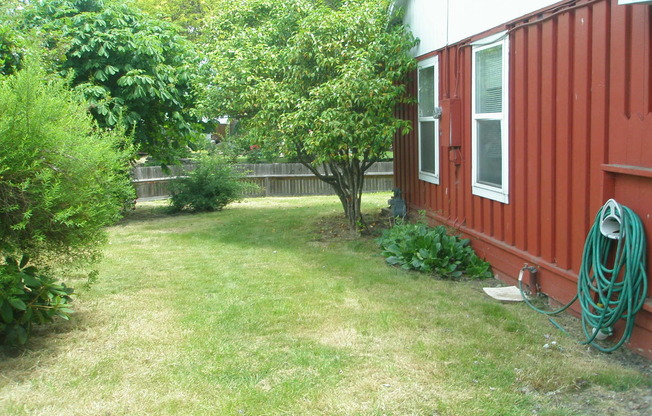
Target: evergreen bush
column 210, row 186
column 62, row 180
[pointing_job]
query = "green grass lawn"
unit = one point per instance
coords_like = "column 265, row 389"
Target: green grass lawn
column 262, row 310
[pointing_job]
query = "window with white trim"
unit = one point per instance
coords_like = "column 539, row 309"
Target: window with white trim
column 428, row 82
column 489, row 132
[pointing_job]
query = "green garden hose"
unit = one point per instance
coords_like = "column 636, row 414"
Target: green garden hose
column 608, row 294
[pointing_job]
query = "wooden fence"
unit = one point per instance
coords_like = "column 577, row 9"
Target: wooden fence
column 274, row 179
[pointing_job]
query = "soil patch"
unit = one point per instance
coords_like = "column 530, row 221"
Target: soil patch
column 336, row 227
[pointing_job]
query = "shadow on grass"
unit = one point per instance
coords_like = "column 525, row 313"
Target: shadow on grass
column 148, row 211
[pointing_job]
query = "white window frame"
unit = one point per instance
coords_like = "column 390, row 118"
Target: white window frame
column 496, row 193
column 423, row 175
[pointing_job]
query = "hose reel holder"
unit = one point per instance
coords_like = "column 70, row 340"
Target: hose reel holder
column 612, row 281
column 610, row 220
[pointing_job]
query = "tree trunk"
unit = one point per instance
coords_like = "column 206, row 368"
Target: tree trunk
column 347, row 180
column 354, row 198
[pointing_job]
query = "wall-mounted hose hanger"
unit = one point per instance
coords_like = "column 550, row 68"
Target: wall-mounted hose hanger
column 610, row 219
column 612, row 283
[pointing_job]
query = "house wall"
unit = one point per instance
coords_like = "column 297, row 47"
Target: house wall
column 442, row 22
column 580, row 133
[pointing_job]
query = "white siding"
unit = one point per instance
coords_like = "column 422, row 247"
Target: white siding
column 438, row 23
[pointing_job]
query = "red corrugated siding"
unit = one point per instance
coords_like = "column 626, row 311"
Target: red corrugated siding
column 580, row 133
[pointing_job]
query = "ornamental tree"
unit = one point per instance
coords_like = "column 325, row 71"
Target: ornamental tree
column 318, row 81
column 134, row 70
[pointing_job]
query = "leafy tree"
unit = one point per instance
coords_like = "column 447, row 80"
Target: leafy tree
column 189, row 14
column 318, row 81
column 134, row 70
column 11, row 40
column 10, row 53
column 246, row 39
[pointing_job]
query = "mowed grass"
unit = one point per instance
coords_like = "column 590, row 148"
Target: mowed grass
column 261, row 310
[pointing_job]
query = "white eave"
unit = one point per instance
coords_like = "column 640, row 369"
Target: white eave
column 438, row 23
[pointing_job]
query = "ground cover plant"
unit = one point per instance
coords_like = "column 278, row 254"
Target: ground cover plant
column 416, row 246
column 272, row 307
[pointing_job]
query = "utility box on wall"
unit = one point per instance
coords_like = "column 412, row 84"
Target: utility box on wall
column 451, row 122
column 450, row 127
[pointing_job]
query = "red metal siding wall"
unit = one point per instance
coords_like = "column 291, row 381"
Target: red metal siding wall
column 580, row 133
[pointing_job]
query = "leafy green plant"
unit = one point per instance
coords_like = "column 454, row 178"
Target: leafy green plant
column 426, row 249
column 28, row 297
column 10, row 50
column 315, row 81
column 135, row 71
column 62, row 180
column 213, row 184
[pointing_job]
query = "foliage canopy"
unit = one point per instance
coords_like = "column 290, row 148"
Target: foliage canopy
column 189, row 14
column 319, row 81
column 11, row 40
column 136, row 71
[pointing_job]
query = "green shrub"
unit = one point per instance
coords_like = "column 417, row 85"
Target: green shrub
column 213, row 184
column 426, row 249
column 61, row 178
column 28, row 297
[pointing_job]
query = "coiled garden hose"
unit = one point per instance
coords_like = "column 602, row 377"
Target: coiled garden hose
column 608, row 294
